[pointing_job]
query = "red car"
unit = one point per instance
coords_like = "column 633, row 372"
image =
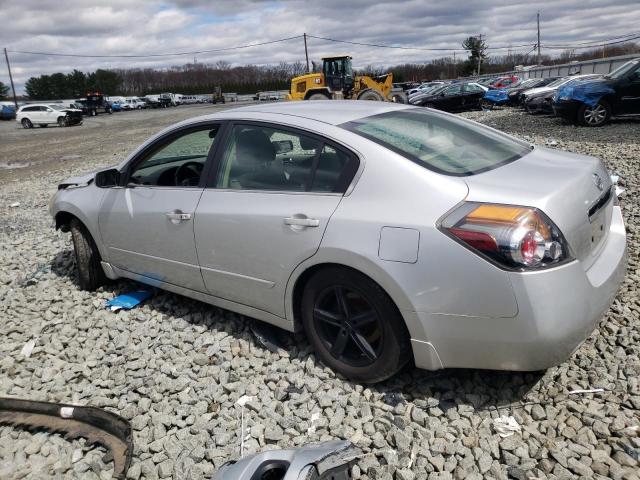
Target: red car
column 504, row 82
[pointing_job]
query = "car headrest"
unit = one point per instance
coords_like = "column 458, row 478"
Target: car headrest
column 308, row 143
column 253, row 148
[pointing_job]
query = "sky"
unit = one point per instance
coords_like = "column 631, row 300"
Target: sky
column 142, row 27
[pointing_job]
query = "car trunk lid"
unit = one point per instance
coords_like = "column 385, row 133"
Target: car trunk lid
column 574, row 191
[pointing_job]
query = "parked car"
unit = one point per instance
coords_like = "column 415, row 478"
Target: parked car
column 415, row 98
column 540, row 100
column 456, row 98
column 7, row 112
column 593, row 102
column 423, row 87
column 48, row 114
column 504, row 82
column 133, row 103
column 388, row 233
column 517, row 92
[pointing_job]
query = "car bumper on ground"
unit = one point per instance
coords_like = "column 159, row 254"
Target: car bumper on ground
column 557, row 310
column 567, row 109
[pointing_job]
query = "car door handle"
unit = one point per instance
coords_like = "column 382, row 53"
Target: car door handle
column 302, row 222
column 178, row 216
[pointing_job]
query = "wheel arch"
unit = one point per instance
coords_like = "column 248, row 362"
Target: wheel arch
column 67, row 212
column 357, row 263
column 324, row 91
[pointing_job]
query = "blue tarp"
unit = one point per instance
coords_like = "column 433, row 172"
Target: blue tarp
column 587, row 91
column 497, row 95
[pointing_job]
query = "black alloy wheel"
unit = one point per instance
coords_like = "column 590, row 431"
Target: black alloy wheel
column 348, row 326
column 353, row 325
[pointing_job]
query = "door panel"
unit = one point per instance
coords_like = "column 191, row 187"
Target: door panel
column 140, row 237
column 249, row 242
column 629, row 95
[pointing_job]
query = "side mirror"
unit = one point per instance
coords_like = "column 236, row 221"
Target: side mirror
column 108, row 178
column 283, row 146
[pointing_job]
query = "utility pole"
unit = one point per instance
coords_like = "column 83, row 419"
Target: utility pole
column 538, row 37
column 13, row 89
column 455, row 75
column 479, row 52
column 306, row 52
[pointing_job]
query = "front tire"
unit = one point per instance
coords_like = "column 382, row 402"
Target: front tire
column 595, row 116
column 354, row 326
column 318, row 96
column 63, row 122
column 26, row 123
column 371, row 95
column 90, row 273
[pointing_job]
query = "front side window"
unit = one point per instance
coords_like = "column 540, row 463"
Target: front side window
column 265, row 158
column 455, row 90
column 439, row 142
column 178, row 163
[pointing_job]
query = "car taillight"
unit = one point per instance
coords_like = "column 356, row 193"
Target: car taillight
column 520, row 238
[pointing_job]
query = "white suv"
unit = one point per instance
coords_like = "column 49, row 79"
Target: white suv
column 48, row 114
column 133, row 104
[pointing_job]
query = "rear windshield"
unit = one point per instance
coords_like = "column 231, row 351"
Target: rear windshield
column 440, row 142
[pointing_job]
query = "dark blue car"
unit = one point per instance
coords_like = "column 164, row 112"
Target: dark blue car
column 593, row 102
column 7, row 112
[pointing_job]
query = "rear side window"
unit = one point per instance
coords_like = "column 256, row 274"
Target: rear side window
column 260, row 157
column 439, row 142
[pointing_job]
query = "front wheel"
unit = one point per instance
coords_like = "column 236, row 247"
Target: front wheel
column 90, row 273
column 371, row 95
column 318, row 96
column 486, row 105
column 594, row 116
column 26, row 123
column 63, row 122
column 354, row 326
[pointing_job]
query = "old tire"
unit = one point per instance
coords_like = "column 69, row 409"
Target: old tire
column 63, row 122
column 595, row 116
column 371, row 95
column 318, row 96
column 354, row 326
column 90, row 273
column 26, row 123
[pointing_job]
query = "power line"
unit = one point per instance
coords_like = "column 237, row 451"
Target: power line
column 153, row 55
column 596, row 43
column 398, row 47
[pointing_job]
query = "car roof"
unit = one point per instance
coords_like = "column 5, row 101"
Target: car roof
column 333, row 112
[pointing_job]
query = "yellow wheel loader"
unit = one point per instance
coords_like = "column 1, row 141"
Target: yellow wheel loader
column 337, row 82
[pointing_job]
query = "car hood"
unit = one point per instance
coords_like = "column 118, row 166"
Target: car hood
column 561, row 184
column 534, row 92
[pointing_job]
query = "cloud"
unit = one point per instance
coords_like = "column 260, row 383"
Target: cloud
column 123, row 27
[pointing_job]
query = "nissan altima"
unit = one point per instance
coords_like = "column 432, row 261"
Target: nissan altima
column 389, row 234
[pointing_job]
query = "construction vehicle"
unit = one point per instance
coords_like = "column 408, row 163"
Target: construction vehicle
column 337, row 82
column 217, row 96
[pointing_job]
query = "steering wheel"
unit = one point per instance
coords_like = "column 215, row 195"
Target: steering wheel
column 188, row 174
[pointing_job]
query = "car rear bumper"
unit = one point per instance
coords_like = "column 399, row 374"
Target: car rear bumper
column 567, row 109
column 557, row 310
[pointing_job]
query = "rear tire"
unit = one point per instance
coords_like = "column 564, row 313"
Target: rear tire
column 90, row 273
column 26, row 123
column 318, row 96
column 595, row 116
column 369, row 343
column 371, row 95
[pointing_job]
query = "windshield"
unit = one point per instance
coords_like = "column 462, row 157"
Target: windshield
column 624, row 69
column 439, row 142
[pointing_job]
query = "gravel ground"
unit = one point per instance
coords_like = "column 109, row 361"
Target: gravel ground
column 175, row 367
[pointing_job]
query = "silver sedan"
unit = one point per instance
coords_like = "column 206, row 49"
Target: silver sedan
column 389, row 234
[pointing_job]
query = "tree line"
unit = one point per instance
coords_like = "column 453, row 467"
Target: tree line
column 198, row 78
